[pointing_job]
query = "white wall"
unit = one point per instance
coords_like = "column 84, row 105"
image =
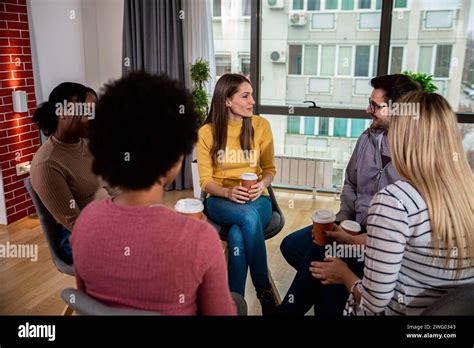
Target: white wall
column 57, row 42
column 75, row 40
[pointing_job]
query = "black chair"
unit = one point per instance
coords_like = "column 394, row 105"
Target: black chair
column 51, row 230
column 276, row 224
column 459, row 301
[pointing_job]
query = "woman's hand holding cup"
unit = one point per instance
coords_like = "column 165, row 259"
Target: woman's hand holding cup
column 256, row 190
column 339, row 235
column 238, row 194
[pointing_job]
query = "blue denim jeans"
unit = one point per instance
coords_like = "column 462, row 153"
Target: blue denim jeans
column 246, row 242
column 296, row 245
column 64, row 245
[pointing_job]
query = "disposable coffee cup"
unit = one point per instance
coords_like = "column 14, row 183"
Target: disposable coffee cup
column 190, row 207
column 322, row 221
column 351, row 227
column 247, row 180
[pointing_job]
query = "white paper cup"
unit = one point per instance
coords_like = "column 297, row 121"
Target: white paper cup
column 190, row 207
column 351, row 227
column 247, row 180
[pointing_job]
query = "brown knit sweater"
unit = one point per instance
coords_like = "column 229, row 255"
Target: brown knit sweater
column 61, row 175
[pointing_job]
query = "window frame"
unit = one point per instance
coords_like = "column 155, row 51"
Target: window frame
column 424, row 20
column 434, row 51
column 350, row 113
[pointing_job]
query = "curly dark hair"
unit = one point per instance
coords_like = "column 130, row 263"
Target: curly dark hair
column 143, row 124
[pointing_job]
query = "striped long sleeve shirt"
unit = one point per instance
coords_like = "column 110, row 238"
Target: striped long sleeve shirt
column 403, row 273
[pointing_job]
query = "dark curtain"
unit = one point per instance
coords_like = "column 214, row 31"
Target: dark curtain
column 153, row 42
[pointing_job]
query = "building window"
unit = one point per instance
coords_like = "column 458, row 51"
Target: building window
column 364, row 4
column 375, row 57
column 369, row 20
column 246, row 8
column 331, row 4
column 323, row 125
column 442, row 62
column 311, row 59
column 323, row 21
column 357, row 127
column 362, row 61
column 223, row 64
column 340, row 127
column 295, row 60
column 245, row 66
column 347, row 5
column 438, row 19
column 293, row 125
column 400, row 3
column 328, row 60
column 217, row 8
column 424, row 59
column 309, row 125
column 314, row 5
column 345, row 61
column 396, row 60
column 298, row 4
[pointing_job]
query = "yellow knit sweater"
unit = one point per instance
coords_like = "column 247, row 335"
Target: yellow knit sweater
column 234, row 161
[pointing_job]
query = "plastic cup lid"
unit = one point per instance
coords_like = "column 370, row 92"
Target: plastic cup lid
column 351, row 226
column 323, row 216
column 189, row 206
column 249, row 176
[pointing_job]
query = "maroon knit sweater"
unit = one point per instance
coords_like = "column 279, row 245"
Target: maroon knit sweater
column 150, row 258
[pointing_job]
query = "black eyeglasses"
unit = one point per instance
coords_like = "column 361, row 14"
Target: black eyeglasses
column 374, row 106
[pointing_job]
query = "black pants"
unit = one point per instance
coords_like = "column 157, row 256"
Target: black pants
column 307, row 291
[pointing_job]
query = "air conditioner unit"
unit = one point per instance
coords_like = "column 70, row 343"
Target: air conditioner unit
column 276, row 3
column 298, row 18
column 278, row 57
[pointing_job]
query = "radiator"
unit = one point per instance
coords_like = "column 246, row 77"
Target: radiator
column 313, row 173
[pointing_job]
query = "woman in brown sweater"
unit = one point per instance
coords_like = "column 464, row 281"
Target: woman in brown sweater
column 61, row 170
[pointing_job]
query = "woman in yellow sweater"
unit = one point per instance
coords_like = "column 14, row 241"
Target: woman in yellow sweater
column 232, row 142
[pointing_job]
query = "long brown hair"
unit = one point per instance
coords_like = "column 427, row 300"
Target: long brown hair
column 225, row 88
column 426, row 149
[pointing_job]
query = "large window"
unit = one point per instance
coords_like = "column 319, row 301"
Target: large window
column 231, row 29
column 438, row 45
column 326, row 57
column 327, row 51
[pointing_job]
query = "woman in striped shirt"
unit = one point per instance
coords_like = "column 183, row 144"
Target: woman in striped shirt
column 420, row 231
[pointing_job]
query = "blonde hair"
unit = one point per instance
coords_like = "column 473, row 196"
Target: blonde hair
column 426, row 149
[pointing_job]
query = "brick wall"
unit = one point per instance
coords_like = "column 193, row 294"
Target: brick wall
column 19, row 137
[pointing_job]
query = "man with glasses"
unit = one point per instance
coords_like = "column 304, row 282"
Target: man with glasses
column 368, row 171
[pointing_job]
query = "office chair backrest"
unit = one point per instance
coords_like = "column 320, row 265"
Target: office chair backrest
column 83, row 304
column 459, row 301
column 50, row 229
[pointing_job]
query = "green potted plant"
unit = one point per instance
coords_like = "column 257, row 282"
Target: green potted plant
column 200, row 75
column 425, row 80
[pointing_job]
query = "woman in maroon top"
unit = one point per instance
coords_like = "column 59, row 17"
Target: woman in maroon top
column 131, row 251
